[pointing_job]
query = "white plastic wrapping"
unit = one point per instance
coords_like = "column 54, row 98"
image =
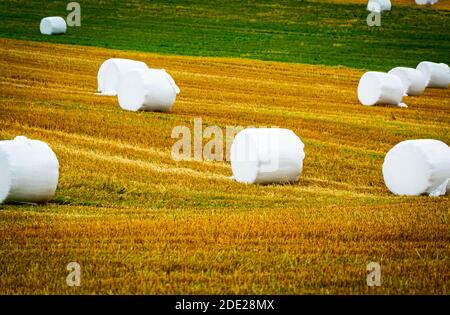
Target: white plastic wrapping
column 414, row 82
column 147, row 89
column 266, row 155
column 373, row 6
column 437, row 74
column 28, row 171
column 111, row 72
column 380, row 88
column 423, row 2
column 416, row 167
column 53, row 25
column 379, row 5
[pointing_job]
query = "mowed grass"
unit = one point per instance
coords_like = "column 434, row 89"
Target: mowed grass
column 398, row 4
column 313, row 32
column 139, row 222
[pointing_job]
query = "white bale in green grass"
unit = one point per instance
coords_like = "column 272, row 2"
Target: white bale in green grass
column 148, row 90
column 380, row 88
column 416, row 167
column 414, row 81
column 267, row 155
column 423, row 2
column 379, row 5
column 437, row 74
column 53, row 25
column 29, row 171
column 111, row 72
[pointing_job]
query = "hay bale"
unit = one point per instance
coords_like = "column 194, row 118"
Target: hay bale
column 414, row 82
column 379, row 5
column 423, row 2
column 111, row 72
column 380, row 88
column 437, row 74
column 147, row 89
column 373, row 6
column 28, row 171
column 53, row 25
column 416, row 167
column 266, row 155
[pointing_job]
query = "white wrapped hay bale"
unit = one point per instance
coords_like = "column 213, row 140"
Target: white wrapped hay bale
column 53, row 25
column 423, row 2
column 379, row 5
column 416, row 167
column 266, row 155
column 373, row 6
column 385, row 5
column 414, row 82
column 380, row 88
column 437, row 74
column 147, row 89
column 28, row 171
column 111, row 72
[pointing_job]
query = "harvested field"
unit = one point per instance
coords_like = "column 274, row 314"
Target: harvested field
column 139, row 222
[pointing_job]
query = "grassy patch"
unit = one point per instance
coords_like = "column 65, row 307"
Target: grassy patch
column 292, row 31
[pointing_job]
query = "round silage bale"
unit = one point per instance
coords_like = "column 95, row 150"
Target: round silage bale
column 380, row 88
column 53, row 25
column 423, row 2
column 379, row 5
column 111, row 72
column 415, row 167
column 437, row 74
column 147, row 89
column 266, row 155
column 414, row 82
column 28, row 171
column 373, row 6
column 385, row 5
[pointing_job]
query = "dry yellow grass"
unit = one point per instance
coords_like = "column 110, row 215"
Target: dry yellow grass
column 441, row 5
column 139, row 222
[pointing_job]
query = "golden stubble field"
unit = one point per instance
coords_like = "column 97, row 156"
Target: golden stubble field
column 139, row 222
